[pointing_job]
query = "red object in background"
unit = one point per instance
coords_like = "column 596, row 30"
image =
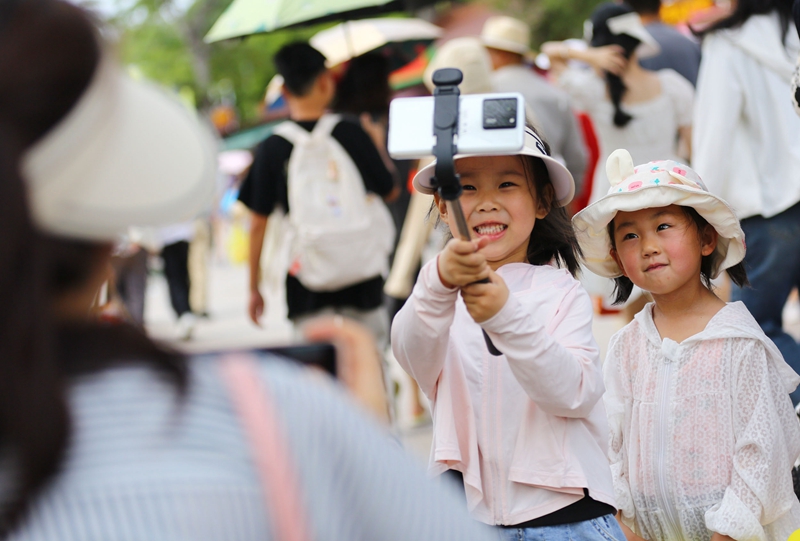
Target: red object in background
column 411, row 174
column 593, row 155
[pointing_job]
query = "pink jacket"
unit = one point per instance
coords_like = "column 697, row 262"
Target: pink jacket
column 527, row 429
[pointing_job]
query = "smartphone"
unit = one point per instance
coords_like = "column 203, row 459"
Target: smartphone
column 320, row 355
column 488, row 124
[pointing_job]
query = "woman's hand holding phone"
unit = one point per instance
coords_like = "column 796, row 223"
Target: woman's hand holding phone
column 358, row 364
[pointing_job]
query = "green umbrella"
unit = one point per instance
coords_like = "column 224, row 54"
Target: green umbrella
column 246, row 17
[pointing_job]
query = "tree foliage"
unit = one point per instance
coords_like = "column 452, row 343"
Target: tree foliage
column 549, row 19
column 165, row 43
column 162, row 39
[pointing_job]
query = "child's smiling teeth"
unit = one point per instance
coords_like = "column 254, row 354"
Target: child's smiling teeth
column 490, row 229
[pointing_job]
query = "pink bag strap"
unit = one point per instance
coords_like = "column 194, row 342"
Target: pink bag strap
column 268, row 445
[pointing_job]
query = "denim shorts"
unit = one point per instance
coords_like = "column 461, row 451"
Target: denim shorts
column 605, row 528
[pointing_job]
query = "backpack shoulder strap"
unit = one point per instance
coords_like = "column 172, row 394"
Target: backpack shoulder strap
column 326, row 124
column 292, row 132
column 268, row 446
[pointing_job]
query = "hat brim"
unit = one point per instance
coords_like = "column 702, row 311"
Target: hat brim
column 560, row 176
column 591, row 224
column 631, row 24
column 126, row 154
column 505, row 45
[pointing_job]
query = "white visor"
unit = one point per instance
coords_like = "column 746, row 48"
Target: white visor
column 560, row 176
column 127, row 154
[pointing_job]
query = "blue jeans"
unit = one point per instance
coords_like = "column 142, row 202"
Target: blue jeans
column 602, row 529
column 773, row 267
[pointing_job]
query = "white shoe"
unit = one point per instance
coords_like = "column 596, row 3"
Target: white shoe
column 186, row 324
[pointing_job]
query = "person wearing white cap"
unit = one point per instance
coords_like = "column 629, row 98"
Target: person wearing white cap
column 108, row 435
column 506, row 39
column 703, row 433
column 525, row 431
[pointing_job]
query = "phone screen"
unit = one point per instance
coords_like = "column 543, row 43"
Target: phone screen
column 321, row 355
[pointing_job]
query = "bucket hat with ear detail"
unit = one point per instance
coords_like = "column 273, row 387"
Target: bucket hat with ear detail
column 653, row 185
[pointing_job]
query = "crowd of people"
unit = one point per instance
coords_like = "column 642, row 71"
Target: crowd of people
column 687, row 429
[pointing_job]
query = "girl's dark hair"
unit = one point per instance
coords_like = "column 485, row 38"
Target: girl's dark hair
column 623, row 285
column 49, row 51
column 747, row 8
column 602, row 36
column 553, row 238
column 364, row 88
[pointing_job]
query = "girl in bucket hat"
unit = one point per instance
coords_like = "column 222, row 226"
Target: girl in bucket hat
column 703, row 433
column 525, row 431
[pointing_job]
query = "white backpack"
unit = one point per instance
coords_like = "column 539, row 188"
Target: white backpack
column 341, row 234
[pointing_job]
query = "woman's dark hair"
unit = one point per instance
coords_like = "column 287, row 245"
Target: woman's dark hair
column 364, row 88
column 747, row 8
column 299, row 64
column 49, row 50
column 602, row 36
column 623, row 285
column 796, row 16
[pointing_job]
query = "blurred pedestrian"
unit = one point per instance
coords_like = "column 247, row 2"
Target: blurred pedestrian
column 129, row 263
column 174, row 240
column 647, row 112
column 308, row 90
column 747, row 149
column 107, row 435
column 506, row 39
column 678, row 52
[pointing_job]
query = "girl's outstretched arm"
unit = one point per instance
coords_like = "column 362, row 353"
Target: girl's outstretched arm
column 552, row 352
column 421, row 329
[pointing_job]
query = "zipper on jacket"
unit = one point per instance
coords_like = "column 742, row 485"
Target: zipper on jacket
column 662, row 438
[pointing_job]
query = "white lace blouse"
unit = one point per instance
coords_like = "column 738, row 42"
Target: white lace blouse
column 703, row 435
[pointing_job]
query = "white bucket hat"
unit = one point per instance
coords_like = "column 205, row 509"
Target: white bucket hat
column 653, row 185
column 506, row 34
column 126, row 154
column 560, row 176
column 468, row 55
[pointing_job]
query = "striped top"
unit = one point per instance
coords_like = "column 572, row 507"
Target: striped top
column 144, row 465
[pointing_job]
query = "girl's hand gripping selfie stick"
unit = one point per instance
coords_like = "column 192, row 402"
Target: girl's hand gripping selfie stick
column 445, row 128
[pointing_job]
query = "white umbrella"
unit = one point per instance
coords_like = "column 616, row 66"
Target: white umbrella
column 354, row 38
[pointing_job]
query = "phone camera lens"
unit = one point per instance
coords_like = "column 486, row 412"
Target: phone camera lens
column 499, row 113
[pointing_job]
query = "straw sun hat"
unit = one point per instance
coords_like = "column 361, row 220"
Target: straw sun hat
column 654, row 184
column 507, row 34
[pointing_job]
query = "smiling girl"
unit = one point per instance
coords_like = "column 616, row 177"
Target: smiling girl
column 526, row 429
column 703, row 433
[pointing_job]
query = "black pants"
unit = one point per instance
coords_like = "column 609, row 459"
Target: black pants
column 176, row 271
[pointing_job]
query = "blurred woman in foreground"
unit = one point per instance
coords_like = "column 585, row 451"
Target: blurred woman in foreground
column 104, row 434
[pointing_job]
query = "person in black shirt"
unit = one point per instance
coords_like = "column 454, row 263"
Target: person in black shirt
column 308, row 90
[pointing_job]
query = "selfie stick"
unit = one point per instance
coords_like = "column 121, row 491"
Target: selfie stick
column 445, row 128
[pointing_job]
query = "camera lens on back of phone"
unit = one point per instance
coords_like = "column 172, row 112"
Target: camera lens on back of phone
column 499, row 113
